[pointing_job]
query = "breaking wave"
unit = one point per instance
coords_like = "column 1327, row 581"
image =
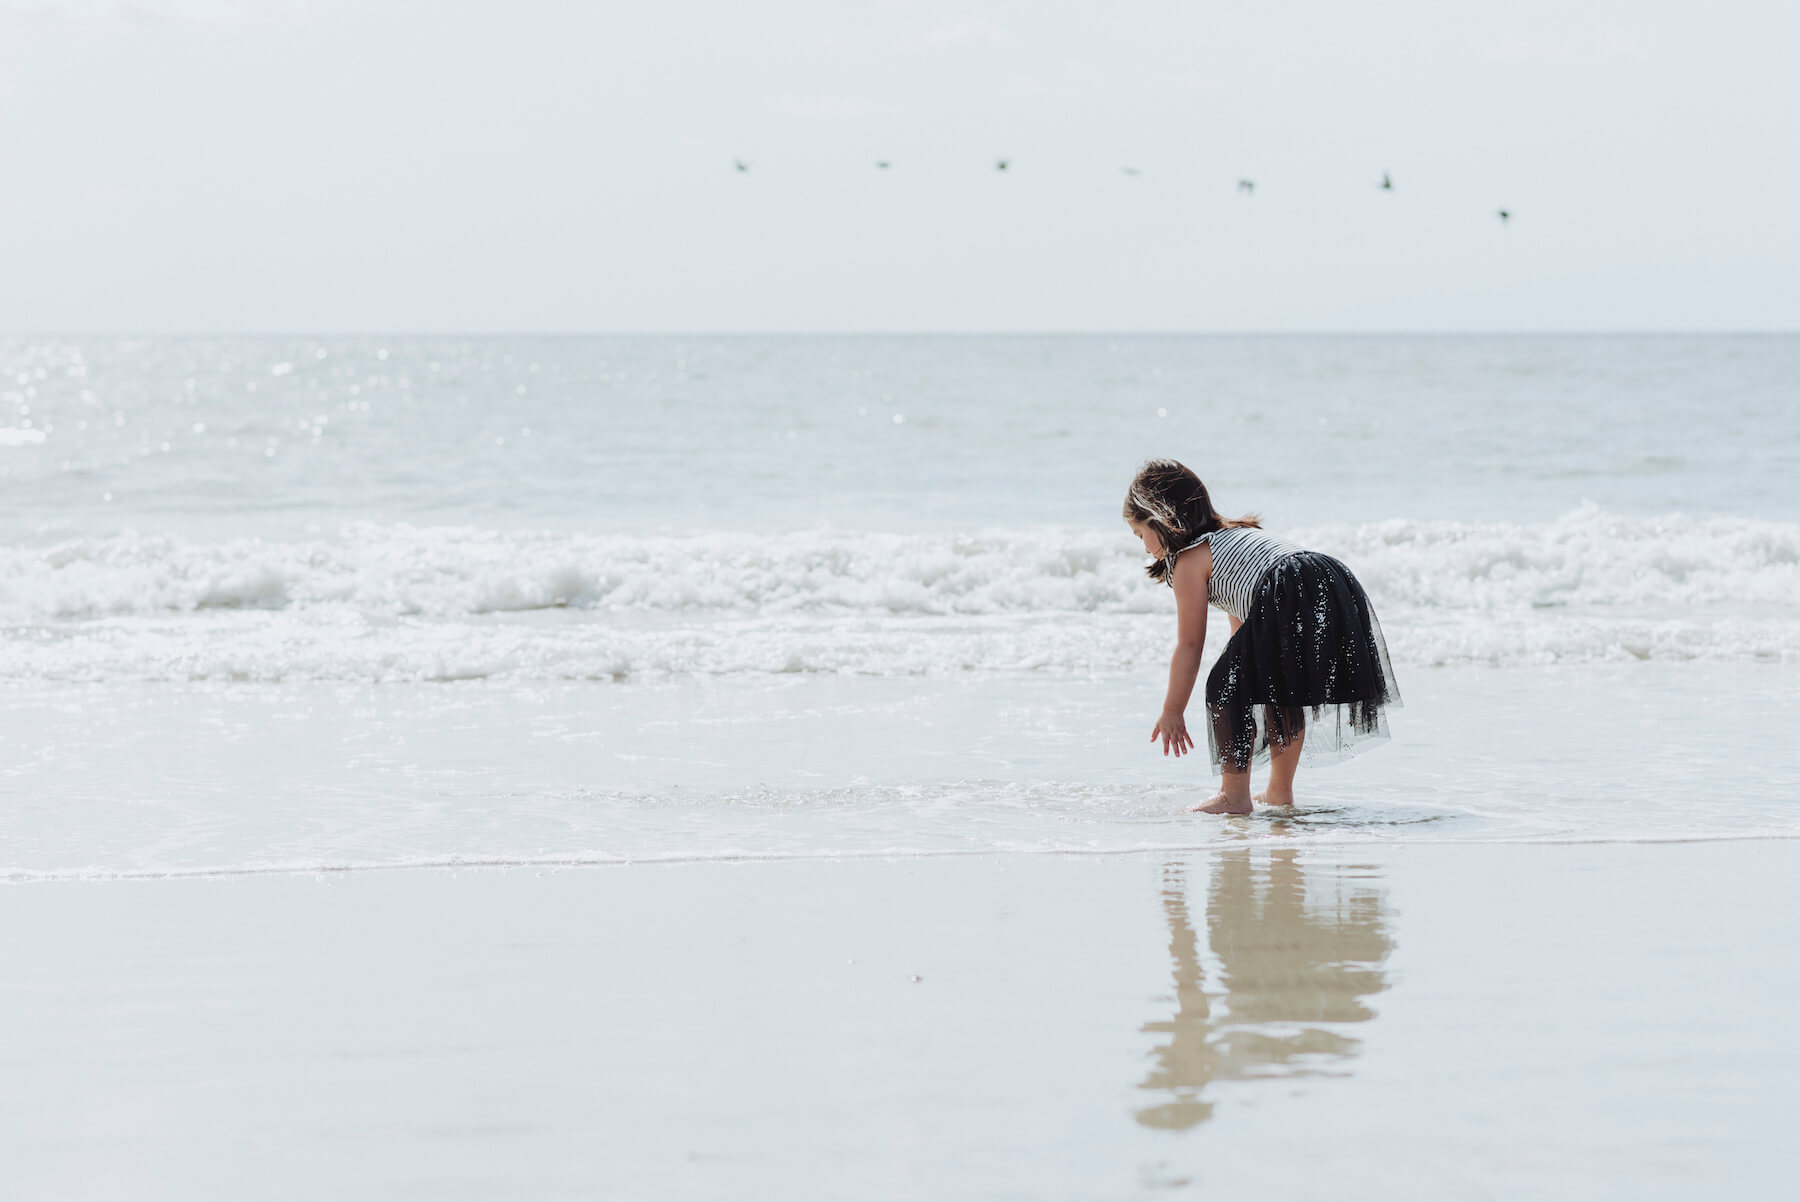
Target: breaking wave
column 397, row 602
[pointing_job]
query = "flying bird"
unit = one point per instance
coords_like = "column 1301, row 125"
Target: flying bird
column 740, row 164
column 1505, row 215
column 1387, row 185
column 882, row 163
column 1131, row 171
column 1247, row 185
column 1000, row 164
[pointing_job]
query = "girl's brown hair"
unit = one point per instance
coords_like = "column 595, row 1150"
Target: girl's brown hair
column 1171, row 500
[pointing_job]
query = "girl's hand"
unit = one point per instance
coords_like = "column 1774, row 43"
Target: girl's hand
column 1172, row 730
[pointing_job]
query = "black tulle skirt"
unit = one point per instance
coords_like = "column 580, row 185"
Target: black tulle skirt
column 1308, row 664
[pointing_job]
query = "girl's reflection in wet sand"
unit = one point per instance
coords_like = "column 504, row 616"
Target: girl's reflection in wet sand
column 1286, row 976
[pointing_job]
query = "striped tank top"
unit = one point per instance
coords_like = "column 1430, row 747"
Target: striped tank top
column 1240, row 556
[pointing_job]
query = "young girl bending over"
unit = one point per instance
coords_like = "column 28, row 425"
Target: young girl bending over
column 1305, row 649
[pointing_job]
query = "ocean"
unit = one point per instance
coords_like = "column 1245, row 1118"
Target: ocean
column 277, row 605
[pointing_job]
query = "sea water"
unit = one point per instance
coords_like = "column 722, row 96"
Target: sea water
column 309, row 604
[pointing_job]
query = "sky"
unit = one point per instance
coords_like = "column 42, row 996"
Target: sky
column 393, row 166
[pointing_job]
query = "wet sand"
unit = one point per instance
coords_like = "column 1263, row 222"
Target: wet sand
column 1428, row 1021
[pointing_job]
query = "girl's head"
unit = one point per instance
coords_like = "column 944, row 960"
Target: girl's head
column 1168, row 507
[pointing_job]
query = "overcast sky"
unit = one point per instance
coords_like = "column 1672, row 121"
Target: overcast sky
column 430, row 165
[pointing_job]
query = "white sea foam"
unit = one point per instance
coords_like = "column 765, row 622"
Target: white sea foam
column 396, row 602
column 1584, row 558
column 402, row 570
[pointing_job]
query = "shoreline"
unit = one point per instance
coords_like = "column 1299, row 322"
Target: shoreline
column 577, row 863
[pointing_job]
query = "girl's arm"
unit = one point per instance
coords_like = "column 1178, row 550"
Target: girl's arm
column 1192, row 572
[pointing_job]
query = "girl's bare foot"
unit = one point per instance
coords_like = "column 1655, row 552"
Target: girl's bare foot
column 1272, row 796
column 1218, row 803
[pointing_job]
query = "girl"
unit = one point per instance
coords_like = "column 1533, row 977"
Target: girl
column 1305, row 648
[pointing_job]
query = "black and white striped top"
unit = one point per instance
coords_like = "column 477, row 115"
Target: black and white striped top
column 1240, row 556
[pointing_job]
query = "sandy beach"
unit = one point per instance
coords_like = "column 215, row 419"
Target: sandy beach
column 393, row 806
column 1423, row 1022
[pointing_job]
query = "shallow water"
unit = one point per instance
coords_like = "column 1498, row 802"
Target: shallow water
column 208, row 779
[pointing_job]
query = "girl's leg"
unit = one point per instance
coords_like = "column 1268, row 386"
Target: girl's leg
column 1284, row 761
column 1233, row 736
column 1233, row 796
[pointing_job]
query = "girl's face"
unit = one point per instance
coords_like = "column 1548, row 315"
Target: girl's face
column 1153, row 545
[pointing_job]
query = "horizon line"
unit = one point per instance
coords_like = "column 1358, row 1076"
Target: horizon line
column 1598, row 332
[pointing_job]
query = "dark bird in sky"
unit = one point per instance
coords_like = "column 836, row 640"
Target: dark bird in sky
column 1387, row 185
column 1131, row 171
column 882, row 163
column 1000, row 164
column 740, row 164
column 1505, row 215
column 1247, row 185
